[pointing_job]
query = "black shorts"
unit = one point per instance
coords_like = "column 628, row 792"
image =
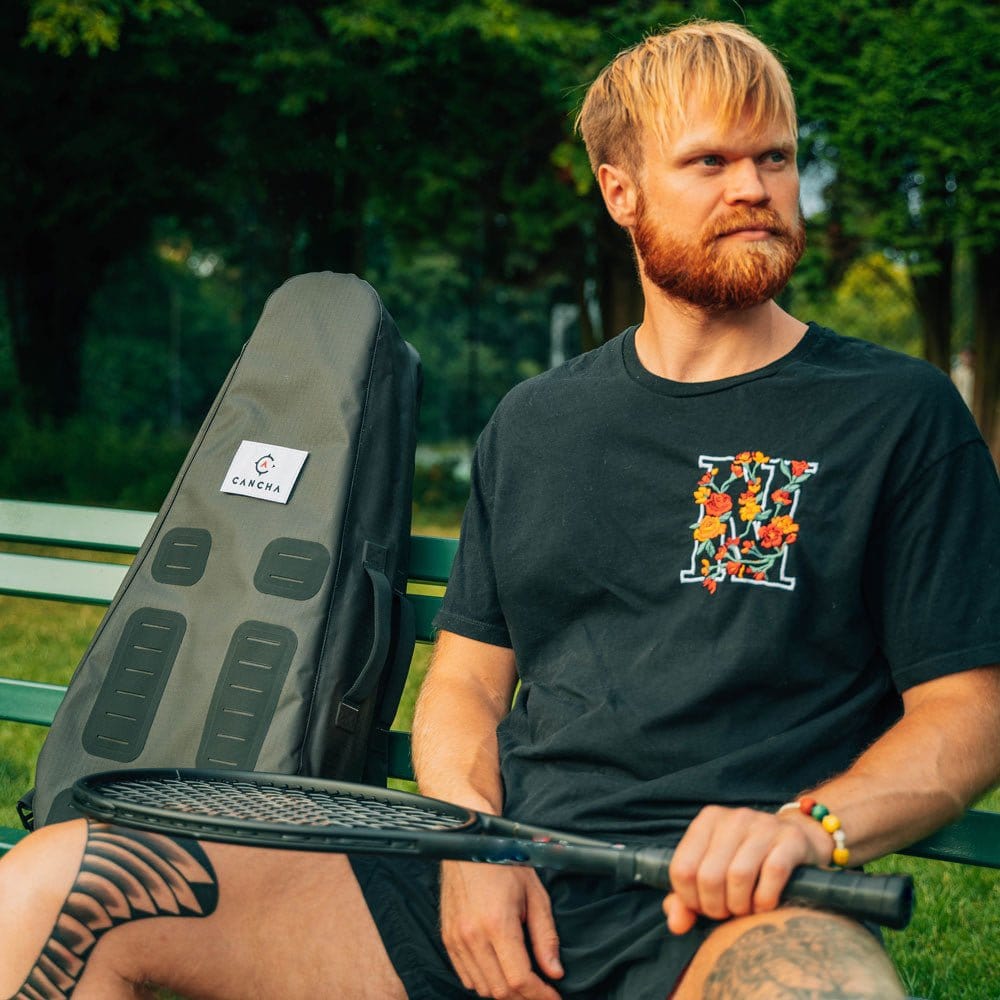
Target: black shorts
column 614, row 943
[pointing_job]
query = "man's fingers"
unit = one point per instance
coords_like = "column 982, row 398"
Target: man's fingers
column 778, row 866
column 688, row 857
column 716, row 871
column 542, row 932
column 732, row 862
column 483, row 916
column 679, row 918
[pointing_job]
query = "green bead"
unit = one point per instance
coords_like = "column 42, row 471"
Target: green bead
column 818, row 811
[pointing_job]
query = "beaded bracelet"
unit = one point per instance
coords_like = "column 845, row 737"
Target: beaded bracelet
column 817, row 811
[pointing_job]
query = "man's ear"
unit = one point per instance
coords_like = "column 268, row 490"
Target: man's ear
column 620, row 193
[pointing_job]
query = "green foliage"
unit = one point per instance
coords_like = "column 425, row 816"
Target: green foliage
column 89, row 462
column 873, row 301
column 429, row 147
column 93, row 25
column 163, row 331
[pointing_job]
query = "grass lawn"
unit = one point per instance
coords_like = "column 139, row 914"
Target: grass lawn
column 951, row 951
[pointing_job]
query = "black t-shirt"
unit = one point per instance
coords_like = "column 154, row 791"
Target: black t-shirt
column 717, row 591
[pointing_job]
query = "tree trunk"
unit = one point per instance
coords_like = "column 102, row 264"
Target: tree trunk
column 618, row 288
column 933, row 292
column 986, row 324
column 49, row 287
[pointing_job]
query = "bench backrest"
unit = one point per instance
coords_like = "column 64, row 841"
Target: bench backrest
column 93, row 529
column 973, row 840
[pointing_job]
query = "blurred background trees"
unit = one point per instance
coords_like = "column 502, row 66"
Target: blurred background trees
column 165, row 164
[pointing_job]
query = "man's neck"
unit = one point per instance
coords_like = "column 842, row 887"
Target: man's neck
column 682, row 343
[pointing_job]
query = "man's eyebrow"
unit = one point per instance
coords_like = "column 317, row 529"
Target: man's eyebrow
column 707, row 147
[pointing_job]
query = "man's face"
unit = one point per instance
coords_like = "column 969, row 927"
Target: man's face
column 717, row 221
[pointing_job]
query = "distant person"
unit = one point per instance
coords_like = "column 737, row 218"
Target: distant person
column 963, row 374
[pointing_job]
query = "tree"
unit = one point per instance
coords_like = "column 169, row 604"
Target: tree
column 94, row 159
column 898, row 100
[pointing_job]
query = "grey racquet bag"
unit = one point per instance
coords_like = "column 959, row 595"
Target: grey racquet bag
column 263, row 625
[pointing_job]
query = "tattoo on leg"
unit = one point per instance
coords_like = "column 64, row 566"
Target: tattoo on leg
column 805, row 958
column 124, row 875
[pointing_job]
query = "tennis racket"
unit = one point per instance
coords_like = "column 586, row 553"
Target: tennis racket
column 271, row 810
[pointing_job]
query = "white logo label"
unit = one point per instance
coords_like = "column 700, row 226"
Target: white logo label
column 264, row 471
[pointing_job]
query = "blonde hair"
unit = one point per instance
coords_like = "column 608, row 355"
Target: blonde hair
column 652, row 86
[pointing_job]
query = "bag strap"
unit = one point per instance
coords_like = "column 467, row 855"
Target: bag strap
column 374, row 560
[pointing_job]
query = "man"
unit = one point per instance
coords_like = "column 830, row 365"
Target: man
column 728, row 559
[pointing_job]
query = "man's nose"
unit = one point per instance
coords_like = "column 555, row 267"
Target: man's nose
column 745, row 185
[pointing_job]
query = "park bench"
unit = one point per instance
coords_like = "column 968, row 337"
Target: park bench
column 38, row 566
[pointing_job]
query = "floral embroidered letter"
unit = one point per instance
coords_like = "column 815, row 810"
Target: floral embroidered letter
column 746, row 522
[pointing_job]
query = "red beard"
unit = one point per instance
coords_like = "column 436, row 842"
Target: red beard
column 716, row 278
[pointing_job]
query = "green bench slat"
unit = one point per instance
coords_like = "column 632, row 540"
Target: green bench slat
column 400, row 762
column 75, row 527
column 9, row 837
column 425, row 607
column 29, row 701
column 974, row 839
column 107, row 530
column 73, row 580
column 431, row 558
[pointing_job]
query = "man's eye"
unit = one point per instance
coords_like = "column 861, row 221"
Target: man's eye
column 775, row 156
column 711, row 161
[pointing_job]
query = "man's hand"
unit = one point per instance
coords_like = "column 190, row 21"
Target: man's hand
column 485, row 910
column 732, row 862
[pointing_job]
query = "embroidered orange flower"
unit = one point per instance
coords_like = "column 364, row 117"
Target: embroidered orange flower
column 782, row 498
column 708, row 528
column 718, row 504
column 749, row 508
column 743, row 456
column 771, row 536
column 785, row 524
column 798, row 468
column 759, row 456
column 709, row 584
column 702, row 494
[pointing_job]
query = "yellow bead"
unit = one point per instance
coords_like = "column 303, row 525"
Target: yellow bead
column 830, row 823
column 841, row 856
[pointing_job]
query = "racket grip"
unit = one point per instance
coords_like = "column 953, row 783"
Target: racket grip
column 880, row 899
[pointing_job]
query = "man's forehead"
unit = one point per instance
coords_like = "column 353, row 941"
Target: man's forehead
column 705, row 128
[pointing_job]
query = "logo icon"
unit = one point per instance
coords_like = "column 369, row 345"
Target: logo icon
column 264, row 471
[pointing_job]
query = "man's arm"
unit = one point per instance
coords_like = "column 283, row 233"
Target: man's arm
column 484, row 908
column 921, row 774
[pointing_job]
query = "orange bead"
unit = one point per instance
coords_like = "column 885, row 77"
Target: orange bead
column 841, row 857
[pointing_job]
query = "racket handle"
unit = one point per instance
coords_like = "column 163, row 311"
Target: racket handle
column 880, row 899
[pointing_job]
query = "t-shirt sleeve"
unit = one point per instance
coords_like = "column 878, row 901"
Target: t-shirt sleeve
column 471, row 605
column 932, row 568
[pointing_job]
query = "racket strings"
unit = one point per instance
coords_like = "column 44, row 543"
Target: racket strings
column 280, row 804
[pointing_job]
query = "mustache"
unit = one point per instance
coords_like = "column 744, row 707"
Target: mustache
column 751, row 218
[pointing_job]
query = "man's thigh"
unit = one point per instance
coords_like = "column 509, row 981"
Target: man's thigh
column 790, row 954
column 205, row 920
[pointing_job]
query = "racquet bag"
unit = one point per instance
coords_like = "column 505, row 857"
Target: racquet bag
column 263, row 624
